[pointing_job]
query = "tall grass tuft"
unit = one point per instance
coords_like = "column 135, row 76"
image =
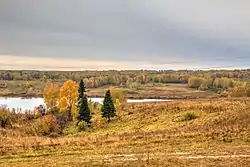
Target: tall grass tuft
column 189, row 116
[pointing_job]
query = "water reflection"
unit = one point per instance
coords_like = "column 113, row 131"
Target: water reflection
column 22, row 104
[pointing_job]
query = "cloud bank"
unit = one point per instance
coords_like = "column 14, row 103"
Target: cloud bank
column 125, row 34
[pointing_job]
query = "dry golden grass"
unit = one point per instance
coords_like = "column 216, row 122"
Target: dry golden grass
column 157, row 90
column 169, row 91
column 152, row 134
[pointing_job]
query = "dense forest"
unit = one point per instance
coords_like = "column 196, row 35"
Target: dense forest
column 99, row 78
column 215, row 80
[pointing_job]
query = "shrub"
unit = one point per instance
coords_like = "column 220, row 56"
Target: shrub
column 195, row 82
column 71, row 128
column 45, row 125
column 53, row 110
column 26, row 116
column 75, row 127
column 189, row 116
column 5, row 119
column 82, row 125
column 63, row 118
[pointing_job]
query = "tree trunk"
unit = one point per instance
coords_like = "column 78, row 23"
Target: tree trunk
column 69, row 113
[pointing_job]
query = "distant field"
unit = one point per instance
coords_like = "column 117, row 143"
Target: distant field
column 167, row 91
column 185, row 133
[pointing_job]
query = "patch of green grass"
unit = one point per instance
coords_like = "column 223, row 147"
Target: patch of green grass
column 189, row 116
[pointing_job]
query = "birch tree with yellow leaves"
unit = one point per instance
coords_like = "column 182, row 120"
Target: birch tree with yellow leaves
column 68, row 98
column 51, row 95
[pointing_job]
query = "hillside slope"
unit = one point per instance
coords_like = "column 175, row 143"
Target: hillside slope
column 187, row 133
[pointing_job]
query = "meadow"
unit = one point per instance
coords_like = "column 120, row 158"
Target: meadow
column 207, row 124
column 183, row 133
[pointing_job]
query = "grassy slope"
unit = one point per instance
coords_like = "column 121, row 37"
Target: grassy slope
column 150, row 134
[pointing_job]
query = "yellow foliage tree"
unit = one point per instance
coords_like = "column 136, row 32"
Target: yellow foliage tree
column 68, row 97
column 240, row 89
column 117, row 95
column 51, row 95
column 195, row 82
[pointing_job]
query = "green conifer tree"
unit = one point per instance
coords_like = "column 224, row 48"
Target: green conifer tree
column 84, row 113
column 108, row 108
column 81, row 89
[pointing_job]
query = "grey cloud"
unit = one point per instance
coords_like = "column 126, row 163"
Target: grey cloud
column 155, row 31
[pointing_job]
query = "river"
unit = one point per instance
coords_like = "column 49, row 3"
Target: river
column 30, row 103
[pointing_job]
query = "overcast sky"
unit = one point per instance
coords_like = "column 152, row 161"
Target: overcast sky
column 124, row 34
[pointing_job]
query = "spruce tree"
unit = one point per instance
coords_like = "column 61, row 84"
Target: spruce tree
column 84, row 113
column 108, row 108
column 81, row 89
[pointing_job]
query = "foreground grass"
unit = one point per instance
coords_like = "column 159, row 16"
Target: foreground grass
column 153, row 134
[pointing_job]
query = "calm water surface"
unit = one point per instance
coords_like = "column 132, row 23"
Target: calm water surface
column 29, row 104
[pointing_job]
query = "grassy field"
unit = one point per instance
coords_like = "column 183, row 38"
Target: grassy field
column 187, row 133
column 21, row 88
column 164, row 91
column 167, row 91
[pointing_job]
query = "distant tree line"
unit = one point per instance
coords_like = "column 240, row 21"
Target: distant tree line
column 231, row 87
column 210, row 83
column 128, row 78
